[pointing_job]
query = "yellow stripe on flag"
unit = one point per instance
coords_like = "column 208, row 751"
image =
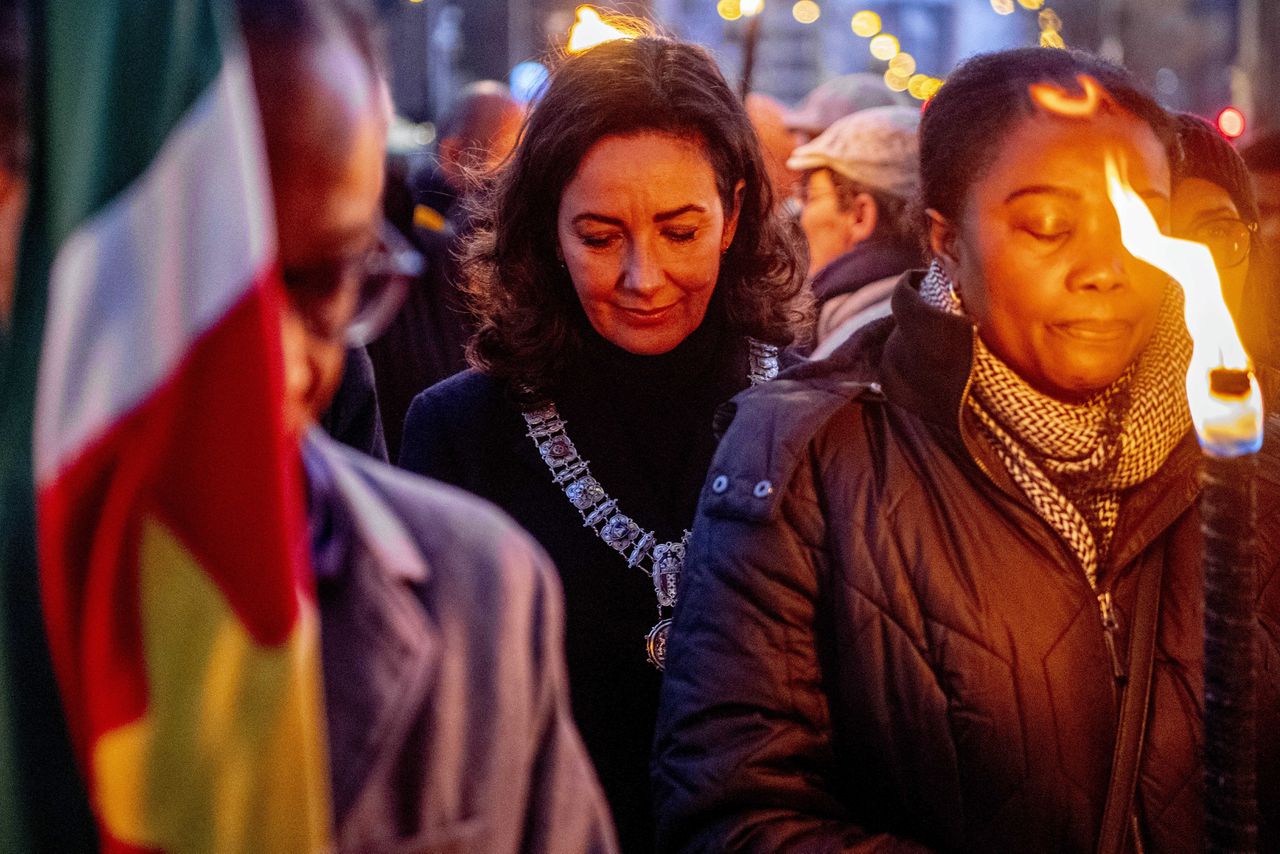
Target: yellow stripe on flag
column 214, row 765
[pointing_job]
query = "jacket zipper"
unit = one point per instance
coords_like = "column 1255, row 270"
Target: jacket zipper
column 1106, row 606
column 1110, row 626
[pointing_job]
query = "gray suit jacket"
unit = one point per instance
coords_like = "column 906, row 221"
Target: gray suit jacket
column 445, row 687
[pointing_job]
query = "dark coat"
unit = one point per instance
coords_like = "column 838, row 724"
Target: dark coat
column 645, row 425
column 427, row 340
column 448, row 714
column 880, row 644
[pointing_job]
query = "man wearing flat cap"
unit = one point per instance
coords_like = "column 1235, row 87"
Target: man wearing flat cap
column 860, row 176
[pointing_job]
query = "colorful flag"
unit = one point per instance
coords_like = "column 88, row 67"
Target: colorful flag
column 171, row 536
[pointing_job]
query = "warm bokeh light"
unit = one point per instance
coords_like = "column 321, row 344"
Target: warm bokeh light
column 590, row 30
column 806, row 11
column 904, row 64
column 1227, row 424
column 729, row 10
column 751, row 8
column 1002, row 7
column 866, row 24
column 918, row 86
column 895, row 81
column 1049, row 20
column 1052, row 38
column 884, row 46
column 1031, row 4
column 1231, row 123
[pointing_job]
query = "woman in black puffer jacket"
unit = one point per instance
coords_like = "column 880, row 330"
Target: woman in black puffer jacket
column 917, row 566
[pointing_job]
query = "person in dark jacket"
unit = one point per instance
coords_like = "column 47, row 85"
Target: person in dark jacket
column 859, row 178
column 915, row 572
column 632, row 277
column 426, row 342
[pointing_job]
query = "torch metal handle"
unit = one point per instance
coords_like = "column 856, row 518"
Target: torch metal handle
column 1230, row 662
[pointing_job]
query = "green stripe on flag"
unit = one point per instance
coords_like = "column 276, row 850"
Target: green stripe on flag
column 120, row 75
column 108, row 81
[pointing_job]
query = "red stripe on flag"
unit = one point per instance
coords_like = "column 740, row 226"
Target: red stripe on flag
column 207, row 455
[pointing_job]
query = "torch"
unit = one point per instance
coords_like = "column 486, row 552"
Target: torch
column 751, row 10
column 1226, row 407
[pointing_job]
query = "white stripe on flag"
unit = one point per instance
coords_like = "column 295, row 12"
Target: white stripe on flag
column 134, row 286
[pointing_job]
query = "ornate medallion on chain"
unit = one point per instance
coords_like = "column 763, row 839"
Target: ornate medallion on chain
column 662, row 562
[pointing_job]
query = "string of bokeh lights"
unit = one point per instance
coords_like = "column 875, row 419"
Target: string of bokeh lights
column 1050, row 22
column 901, row 73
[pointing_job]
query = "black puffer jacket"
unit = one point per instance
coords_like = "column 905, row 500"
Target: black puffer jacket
column 881, row 646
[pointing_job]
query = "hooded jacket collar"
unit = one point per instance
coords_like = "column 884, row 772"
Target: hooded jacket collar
column 928, row 357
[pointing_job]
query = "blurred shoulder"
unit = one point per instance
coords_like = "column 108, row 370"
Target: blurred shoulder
column 768, row 429
column 456, row 425
column 462, row 536
column 466, row 394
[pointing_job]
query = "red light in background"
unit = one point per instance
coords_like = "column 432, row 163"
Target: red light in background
column 1231, row 123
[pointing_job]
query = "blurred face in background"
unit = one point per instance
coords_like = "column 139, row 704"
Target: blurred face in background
column 641, row 228
column 489, row 125
column 768, row 117
column 1204, row 212
column 1037, row 256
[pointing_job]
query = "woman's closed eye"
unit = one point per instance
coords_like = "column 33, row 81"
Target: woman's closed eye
column 599, row 240
column 1047, row 231
column 681, row 235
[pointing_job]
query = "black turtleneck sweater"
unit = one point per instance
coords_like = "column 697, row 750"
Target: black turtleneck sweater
column 644, row 424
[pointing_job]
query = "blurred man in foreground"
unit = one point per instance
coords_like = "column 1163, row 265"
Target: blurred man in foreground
column 446, row 704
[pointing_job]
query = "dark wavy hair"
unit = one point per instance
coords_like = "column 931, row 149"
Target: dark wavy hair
column 964, row 125
column 523, row 299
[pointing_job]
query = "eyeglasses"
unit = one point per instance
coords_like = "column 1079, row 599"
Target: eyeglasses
column 1229, row 240
column 352, row 298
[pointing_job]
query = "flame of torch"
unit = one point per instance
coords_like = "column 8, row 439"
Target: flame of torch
column 1226, row 404
column 590, row 30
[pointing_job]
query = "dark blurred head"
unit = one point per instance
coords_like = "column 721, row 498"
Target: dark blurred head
column 768, row 117
column 1214, row 202
column 324, row 116
column 1262, row 156
column 479, row 131
column 523, row 295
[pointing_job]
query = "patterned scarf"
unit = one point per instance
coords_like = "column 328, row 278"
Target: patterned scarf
column 1073, row 460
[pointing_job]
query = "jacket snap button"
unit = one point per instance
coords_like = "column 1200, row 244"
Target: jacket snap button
column 763, row 489
column 720, row 484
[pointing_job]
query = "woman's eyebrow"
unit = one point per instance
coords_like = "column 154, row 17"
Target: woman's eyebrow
column 1043, row 189
column 680, row 211
column 1220, row 212
column 595, row 217
column 661, row 216
column 1071, row 193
